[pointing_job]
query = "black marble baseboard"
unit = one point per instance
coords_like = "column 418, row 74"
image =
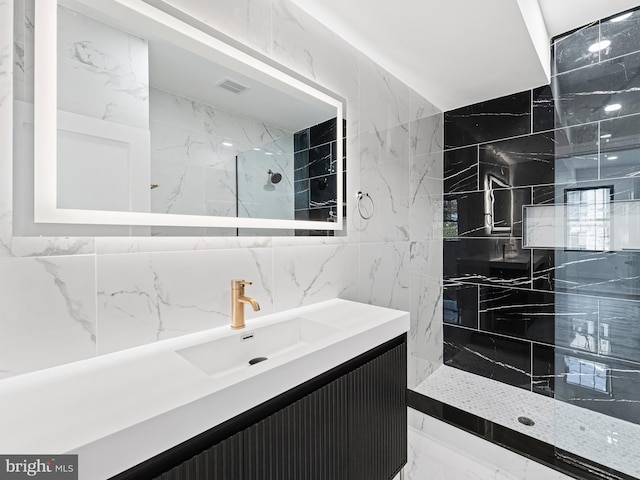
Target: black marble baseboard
column 536, row 450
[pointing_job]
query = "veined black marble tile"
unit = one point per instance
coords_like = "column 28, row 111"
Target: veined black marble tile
column 593, row 93
column 543, row 269
column 481, row 214
column 301, row 140
column 623, row 189
column 576, row 322
column 503, row 117
column 545, row 194
column 460, row 305
column 461, row 170
column 543, row 370
column 576, row 154
column 599, row 384
column 320, row 160
column 543, row 109
column 301, row 165
column 527, row 314
column 487, row 261
column 562, row 155
column 323, row 191
column 301, row 199
column 572, row 51
column 322, row 133
column 608, row 274
column 619, row 329
column 623, row 31
column 502, row 359
column 620, row 147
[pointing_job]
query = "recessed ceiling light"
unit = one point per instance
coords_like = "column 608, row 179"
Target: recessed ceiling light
column 606, row 135
column 612, row 107
column 622, row 17
column 614, row 157
column 268, row 153
column 596, row 47
column 257, row 149
column 227, row 144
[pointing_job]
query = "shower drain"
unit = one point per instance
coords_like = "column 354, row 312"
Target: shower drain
column 526, row 421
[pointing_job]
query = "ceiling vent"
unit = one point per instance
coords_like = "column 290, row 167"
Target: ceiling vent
column 232, row 86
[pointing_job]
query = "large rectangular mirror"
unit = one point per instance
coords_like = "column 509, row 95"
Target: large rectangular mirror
column 142, row 118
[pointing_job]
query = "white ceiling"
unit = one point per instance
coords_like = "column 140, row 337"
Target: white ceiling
column 460, row 52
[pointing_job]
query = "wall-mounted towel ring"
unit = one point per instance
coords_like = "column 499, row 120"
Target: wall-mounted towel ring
column 365, row 211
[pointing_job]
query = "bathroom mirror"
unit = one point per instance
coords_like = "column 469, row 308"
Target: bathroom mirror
column 144, row 117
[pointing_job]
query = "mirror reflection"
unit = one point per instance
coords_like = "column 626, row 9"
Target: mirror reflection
column 151, row 121
column 213, row 134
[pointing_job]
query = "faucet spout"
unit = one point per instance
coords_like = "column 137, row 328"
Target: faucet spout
column 238, row 299
column 252, row 301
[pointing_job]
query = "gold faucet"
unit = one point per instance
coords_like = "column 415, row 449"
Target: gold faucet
column 238, row 300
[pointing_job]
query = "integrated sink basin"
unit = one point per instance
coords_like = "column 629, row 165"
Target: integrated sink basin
column 236, row 351
column 132, row 405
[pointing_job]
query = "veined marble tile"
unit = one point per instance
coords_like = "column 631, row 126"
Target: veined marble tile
column 177, row 165
column 248, row 21
column 461, row 170
column 425, row 334
column 427, row 134
column 502, row 117
column 386, row 181
column 426, row 174
column 386, row 145
column 306, row 46
column 492, row 356
column 23, row 48
column 425, row 217
column 384, row 100
column 149, row 297
column 585, row 92
column 572, row 51
column 384, row 275
column 310, row 274
column 425, row 259
column 166, row 107
column 420, row 107
column 389, row 222
column 47, row 310
column 623, row 30
column 102, row 71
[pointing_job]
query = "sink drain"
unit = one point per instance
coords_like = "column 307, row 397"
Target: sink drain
column 253, row 361
column 526, row 421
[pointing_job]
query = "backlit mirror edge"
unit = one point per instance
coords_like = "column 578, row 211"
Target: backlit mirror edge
column 46, row 127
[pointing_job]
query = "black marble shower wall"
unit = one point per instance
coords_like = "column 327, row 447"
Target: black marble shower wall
column 563, row 323
column 315, row 173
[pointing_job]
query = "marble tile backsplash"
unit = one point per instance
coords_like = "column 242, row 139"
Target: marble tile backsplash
column 64, row 299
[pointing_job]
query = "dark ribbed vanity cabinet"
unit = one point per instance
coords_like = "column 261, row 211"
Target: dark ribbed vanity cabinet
column 347, row 424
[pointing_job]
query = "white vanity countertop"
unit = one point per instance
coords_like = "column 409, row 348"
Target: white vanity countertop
column 120, row 409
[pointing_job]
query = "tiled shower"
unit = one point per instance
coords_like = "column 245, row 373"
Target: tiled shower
column 556, row 317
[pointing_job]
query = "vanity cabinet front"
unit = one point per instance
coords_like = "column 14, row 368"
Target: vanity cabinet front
column 349, row 423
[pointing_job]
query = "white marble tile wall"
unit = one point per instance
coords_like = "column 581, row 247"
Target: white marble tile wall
column 134, row 290
column 103, row 72
column 193, row 160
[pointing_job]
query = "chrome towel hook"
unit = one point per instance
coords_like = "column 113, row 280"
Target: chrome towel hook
column 365, row 211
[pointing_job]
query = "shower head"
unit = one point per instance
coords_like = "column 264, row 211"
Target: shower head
column 274, row 177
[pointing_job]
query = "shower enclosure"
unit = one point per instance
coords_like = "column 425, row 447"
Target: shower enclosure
column 541, row 226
